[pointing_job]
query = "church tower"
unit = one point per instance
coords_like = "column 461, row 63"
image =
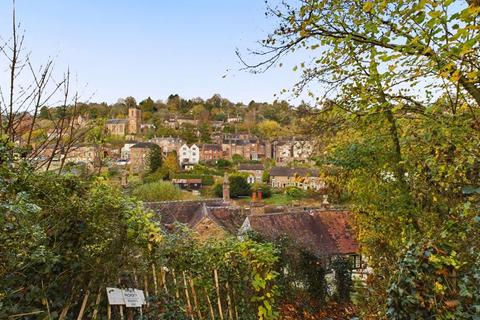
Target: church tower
column 134, row 120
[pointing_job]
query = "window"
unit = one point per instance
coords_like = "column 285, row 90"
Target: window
column 356, row 261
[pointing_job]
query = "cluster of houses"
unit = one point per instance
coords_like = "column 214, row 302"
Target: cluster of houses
column 224, row 146
column 188, row 156
column 227, row 146
column 324, row 231
column 246, row 146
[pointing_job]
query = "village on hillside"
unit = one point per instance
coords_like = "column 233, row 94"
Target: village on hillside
column 340, row 179
column 262, row 151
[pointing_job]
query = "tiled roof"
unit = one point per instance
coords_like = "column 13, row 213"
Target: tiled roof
column 290, row 172
column 322, row 232
column 251, row 166
column 144, row 145
column 211, row 146
column 228, row 218
column 116, row 121
column 186, row 180
column 191, row 213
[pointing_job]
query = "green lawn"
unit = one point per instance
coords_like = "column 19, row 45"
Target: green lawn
column 280, row 199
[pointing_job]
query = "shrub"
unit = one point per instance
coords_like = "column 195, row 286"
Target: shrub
column 265, row 188
column 60, row 235
column 432, row 282
column 223, row 164
column 218, row 190
column 266, row 176
column 156, row 176
column 157, row 191
column 295, row 192
column 236, row 158
column 313, row 275
column 343, row 278
column 239, row 186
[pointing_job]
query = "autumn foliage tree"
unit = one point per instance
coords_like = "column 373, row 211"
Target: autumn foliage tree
column 399, row 119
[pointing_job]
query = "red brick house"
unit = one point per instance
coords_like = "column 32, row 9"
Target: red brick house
column 139, row 156
column 210, row 152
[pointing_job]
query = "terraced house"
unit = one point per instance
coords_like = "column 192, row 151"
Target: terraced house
column 303, row 178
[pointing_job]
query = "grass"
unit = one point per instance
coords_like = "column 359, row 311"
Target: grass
column 160, row 191
column 280, row 199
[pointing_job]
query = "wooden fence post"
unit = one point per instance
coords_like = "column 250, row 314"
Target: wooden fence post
column 155, row 285
column 145, row 284
column 121, row 312
column 187, row 296
column 164, row 279
column 229, row 302
column 84, row 304
column 120, row 306
column 219, row 302
column 195, row 300
column 97, row 303
column 177, row 294
column 210, row 307
column 235, row 303
column 63, row 314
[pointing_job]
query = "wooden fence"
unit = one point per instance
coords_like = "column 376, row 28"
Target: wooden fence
column 216, row 299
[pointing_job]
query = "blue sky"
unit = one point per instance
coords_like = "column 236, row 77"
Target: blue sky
column 151, row 48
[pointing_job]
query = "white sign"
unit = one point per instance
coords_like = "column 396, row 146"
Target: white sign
column 141, row 296
column 132, row 299
column 115, row 296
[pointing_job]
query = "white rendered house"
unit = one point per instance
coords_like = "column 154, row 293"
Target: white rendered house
column 189, row 156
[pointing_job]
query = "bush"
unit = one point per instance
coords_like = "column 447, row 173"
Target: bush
column 223, row 164
column 343, row 278
column 239, row 186
column 218, row 190
column 313, row 275
column 295, row 192
column 61, row 235
column 157, row 191
column 236, row 158
column 266, row 176
column 156, row 176
column 432, row 282
column 247, row 265
column 266, row 189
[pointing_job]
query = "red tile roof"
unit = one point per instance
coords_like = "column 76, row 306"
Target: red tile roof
column 192, row 212
column 322, row 232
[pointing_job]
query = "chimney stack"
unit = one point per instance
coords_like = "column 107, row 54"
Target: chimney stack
column 257, row 207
